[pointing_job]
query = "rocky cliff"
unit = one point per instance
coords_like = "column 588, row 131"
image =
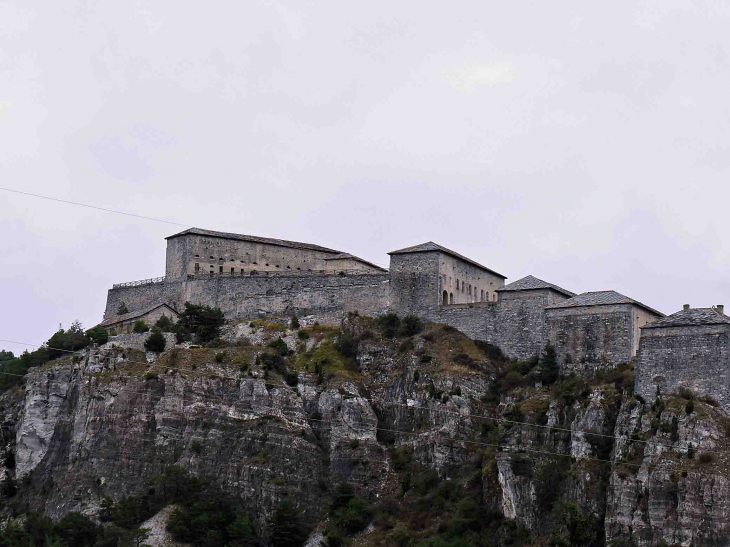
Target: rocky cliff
column 419, row 424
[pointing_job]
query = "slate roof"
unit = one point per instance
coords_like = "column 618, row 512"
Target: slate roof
column 254, row 239
column 431, row 246
column 348, row 256
column 135, row 314
column 532, row 283
column 691, row 317
column 601, row 298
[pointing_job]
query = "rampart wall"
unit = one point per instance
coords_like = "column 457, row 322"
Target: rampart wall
column 592, row 337
column 251, row 296
column 694, row 357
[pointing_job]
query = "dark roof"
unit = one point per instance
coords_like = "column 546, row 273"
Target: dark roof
column 601, row 298
column 135, row 314
column 532, row 283
column 691, row 317
column 348, row 256
column 254, row 239
column 431, row 246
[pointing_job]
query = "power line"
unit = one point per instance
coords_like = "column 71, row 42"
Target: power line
column 393, row 403
column 95, row 207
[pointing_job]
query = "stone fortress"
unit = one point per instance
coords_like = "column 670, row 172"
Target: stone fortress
column 250, row 276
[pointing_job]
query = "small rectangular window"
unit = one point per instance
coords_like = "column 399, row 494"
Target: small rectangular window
column 197, row 267
column 220, row 269
column 233, row 270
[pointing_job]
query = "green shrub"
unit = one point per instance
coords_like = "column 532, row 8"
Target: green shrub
column 122, row 309
column 294, row 323
column 411, row 325
column 219, row 357
column 280, row 346
column 354, row 443
column 389, row 325
column 548, row 369
column 706, row 457
column 426, row 358
column 492, row 352
column 406, row 346
column 303, row 335
column 65, row 341
column 140, row 326
column 203, row 321
column 291, row 378
column 347, row 344
column 196, row 447
column 98, row 335
column 155, row 341
column 416, row 376
column 287, row 527
column 165, row 324
column 689, row 407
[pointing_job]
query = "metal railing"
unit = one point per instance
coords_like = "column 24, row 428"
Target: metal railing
column 152, row 281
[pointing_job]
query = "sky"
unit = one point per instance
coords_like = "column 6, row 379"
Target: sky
column 585, row 143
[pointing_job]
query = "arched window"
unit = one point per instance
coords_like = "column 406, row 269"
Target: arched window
column 451, row 298
column 482, row 296
column 445, row 298
column 457, row 284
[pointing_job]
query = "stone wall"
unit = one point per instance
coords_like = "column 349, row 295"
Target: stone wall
column 137, row 340
column 252, row 296
column 414, row 283
column 695, row 357
column 193, row 253
column 474, row 284
column 592, row 337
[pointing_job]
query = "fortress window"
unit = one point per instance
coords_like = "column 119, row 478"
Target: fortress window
column 197, row 256
column 255, row 262
column 278, row 266
column 457, row 284
column 197, row 267
column 212, row 258
column 267, row 263
column 445, row 299
column 233, row 270
column 451, row 298
column 220, row 269
column 288, row 267
column 482, row 297
column 298, row 268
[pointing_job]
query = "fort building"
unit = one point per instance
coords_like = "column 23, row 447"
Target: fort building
column 251, row 276
column 597, row 329
column 690, row 349
column 124, row 324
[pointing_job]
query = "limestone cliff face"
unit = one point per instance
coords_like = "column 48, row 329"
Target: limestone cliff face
column 99, row 425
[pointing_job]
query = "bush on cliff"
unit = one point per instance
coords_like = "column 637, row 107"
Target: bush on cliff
column 203, row 321
column 389, row 325
column 66, row 341
column 122, row 309
column 140, row 326
column 287, row 529
column 165, row 324
column 156, row 341
column 98, row 335
column 548, row 369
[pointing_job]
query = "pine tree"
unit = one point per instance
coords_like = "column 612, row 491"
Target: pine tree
column 547, row 368
column 287, row 529
column 156, row 341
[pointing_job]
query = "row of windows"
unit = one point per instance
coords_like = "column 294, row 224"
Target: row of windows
column 448, row 298
column 467, row 288
column 198, row 269
column 221, row 259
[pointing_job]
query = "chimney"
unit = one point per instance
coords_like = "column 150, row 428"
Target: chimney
column 721, row 309
column 685, row 307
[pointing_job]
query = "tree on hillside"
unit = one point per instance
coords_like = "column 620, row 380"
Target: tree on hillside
column 287, row 529
column 548, row 368
column 140, row 326
column 156, row 341
column 65, row 341
column 6, row 355
column 203, row 321
column 98, row 335
column 165, row 324
column 122, row 309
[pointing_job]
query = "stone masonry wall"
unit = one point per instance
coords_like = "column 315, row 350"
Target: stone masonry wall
column 592, row 337
column 694, row 357
column 414, row 283
column 251, row 296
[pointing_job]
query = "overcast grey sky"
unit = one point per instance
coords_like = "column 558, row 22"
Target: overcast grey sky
column 586, row 143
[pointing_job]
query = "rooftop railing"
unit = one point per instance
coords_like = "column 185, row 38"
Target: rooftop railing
column 152, row 281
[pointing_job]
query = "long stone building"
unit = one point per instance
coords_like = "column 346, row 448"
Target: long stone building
column 250, row 276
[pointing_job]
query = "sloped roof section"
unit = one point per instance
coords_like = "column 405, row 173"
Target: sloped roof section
column 532, row 283
column 136, row 314
column 254, row 239
column 691, row 317
column 430, row 246
column 348, row 256
column 602, row 298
